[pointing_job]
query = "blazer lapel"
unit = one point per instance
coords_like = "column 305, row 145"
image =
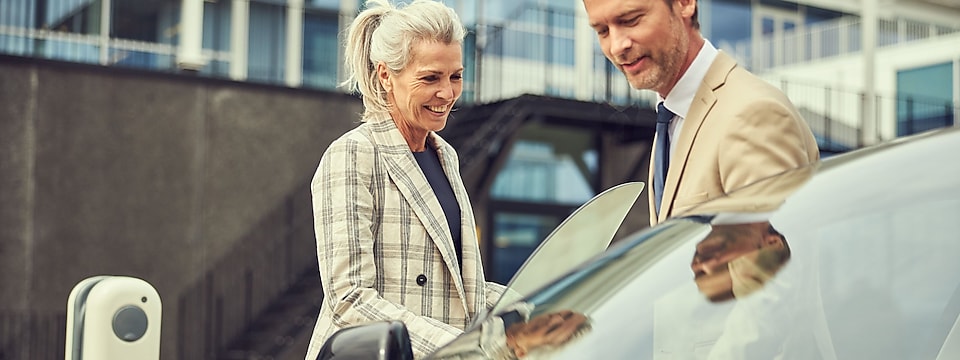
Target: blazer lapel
column 471, row 268
column 702, row 104
column 403, row 169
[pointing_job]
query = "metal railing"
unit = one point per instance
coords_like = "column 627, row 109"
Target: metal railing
column 95, row 49
column 837, row 115
column 826, row 39
column 534, row 51
column 222, row 304
column 31, row 335
column 215, row 310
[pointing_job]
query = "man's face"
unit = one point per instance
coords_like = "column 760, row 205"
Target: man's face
column 726, row 245
column 422, row 94
column 646, row 39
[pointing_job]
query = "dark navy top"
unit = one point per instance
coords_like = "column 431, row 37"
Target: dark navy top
column 430, row 165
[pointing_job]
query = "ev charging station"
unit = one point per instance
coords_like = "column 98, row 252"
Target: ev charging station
column 113, row 318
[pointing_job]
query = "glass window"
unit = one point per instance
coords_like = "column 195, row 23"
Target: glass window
column 496, row 12
column 924, row 98
column 69, row 16
column 216, row 25
column 570, row 5
column 529, row 173
column 136, row 20
column 76, row 16
column 535, row 34
column 515, row 236
column 216, row 34
column 560, row 169
column 320, row 49
column 465, row 9
column 549, row 172
column 19, row 13
column 814, row 15
column 323, row 4
column 267, row 44
column 729, row 23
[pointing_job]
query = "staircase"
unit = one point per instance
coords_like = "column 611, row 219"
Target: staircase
column 274, row 332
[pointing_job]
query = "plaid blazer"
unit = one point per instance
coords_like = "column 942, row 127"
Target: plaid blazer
column 383, row 243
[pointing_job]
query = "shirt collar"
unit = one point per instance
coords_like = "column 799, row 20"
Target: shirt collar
column 681, row 96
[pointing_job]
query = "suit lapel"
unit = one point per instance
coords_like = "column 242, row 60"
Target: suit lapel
column 702, row 104
column 404, row 171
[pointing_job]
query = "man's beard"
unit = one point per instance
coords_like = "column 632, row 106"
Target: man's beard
column 665, row 65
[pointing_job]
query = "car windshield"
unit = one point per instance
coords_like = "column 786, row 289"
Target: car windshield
column 854, row 258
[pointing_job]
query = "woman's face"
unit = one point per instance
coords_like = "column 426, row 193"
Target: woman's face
column 422, row 94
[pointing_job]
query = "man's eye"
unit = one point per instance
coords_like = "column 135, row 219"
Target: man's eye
column 456, row 76
column 429, row 78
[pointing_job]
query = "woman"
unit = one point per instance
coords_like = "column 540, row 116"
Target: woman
column 395, row 231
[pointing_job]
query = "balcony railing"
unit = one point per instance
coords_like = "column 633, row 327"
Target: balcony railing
column 822, row 40
column 838, row 115
column 96, row 49
column 538, row 51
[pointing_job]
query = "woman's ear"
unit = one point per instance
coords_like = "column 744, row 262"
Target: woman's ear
column 383, row 75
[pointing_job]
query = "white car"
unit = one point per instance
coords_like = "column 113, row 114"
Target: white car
column 856, row 257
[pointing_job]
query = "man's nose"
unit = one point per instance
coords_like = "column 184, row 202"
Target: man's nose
column 705, row 266
column 697, row 267
column 620, row 44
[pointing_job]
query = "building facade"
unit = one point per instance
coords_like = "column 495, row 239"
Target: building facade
column 871, row 70
column 861, row 72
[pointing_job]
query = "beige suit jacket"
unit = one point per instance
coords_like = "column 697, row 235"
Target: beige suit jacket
column 739, row 129
column 383, row 244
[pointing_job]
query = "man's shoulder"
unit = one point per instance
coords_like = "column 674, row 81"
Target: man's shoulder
column 741, row 78
column 743, row 88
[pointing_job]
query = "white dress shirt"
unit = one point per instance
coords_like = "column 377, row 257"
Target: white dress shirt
column 681, row 96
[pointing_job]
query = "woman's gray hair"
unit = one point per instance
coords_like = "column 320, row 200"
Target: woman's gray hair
column 386, row 33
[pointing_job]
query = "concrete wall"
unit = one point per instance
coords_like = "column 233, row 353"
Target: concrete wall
column 157, row 176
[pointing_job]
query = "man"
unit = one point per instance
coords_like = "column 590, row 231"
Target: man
column 719, row 127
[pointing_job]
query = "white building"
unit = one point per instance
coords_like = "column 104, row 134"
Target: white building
column 862, row 71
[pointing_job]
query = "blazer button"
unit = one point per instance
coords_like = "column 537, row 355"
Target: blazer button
column 421, row 280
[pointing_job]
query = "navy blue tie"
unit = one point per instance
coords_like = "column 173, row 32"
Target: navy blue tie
column 662, row 148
